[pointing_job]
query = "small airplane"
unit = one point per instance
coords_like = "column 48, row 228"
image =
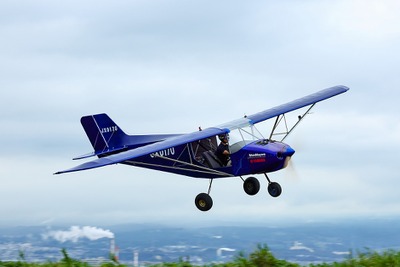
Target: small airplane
column 197, row 154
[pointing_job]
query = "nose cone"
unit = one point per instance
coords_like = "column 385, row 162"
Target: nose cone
column 287, row 156
column 289, row 152
column 285, row 152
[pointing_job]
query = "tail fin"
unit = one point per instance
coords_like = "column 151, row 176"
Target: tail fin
column 104, row 134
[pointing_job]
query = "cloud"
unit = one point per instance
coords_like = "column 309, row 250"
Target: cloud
column 75, row 233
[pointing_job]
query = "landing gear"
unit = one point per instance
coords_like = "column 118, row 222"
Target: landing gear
column 203, row 202
column 251, row 186
column 274, row 189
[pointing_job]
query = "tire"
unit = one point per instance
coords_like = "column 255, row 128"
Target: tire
column 203, row 202
column 274, row 189
column 251, row 186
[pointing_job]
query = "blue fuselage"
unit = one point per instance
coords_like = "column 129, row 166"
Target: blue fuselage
column 261, row 156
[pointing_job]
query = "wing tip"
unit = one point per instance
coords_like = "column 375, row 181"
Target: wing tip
column 343, row 87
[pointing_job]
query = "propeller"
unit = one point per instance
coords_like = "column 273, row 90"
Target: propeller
column 291, row 172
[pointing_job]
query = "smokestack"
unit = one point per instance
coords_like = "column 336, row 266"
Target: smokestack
column 112, row 246
column 114, row 250
column 135, row 258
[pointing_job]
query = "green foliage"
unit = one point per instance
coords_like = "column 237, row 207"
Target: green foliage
column 108, row 264
column 67, row 261
column 261, row 257
column 180, row 263
column 113, row 258
column 21, row 255
column 389, row 258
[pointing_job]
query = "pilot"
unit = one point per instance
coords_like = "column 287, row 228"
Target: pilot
column 222, row 152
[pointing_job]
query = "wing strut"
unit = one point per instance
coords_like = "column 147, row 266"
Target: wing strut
column 277, row 121
column 297, row 123
column 288, row 131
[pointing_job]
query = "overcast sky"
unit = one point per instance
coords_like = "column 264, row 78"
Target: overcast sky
column 172, row 66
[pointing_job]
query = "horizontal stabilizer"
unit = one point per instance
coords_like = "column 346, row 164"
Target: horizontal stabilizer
column 102, row 153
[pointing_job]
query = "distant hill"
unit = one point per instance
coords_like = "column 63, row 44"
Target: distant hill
column 303, row 243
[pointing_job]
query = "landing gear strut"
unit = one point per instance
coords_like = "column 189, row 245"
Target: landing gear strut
column 274, row 189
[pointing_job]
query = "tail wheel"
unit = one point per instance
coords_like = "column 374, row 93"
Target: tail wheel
column 251, row 186
column 203, row 202
column 274, row 189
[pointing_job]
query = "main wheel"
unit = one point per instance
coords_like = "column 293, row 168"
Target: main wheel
column 251, row 186
column 203, row 202
column 274, row 189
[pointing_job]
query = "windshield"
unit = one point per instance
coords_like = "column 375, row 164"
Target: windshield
column 240, row 137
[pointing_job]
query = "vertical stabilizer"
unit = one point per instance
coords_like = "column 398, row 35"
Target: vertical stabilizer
column 104, row 134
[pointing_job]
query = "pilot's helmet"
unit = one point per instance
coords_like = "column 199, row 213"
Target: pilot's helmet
column 223, row 136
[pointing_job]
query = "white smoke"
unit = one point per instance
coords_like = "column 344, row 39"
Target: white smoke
column 76, row 232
